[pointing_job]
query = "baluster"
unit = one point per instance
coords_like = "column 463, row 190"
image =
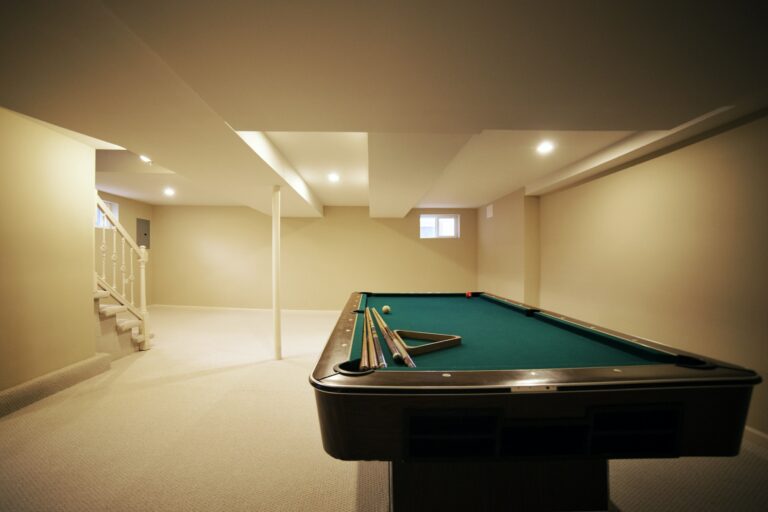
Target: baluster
column 114, row 257
column 103, row 249
column 122, row 265
column 131, row 278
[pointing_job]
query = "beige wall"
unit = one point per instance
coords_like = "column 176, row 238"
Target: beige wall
column 129, row 211
column 508, row 248
column 211, row 256
column 221, row 256
column 46, row 224
column 325, row 259
column 673, row 249
column 532, row 251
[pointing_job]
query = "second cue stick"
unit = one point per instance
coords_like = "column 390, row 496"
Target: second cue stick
column 364, row 362
column 400, row 343
column 373, row 360
column 381, row 362
column 393, row 348
column 395, row 339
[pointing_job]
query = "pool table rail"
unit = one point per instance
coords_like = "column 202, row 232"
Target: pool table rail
column 696, row 370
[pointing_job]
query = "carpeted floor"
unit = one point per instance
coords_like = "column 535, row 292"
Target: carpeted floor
column 205, row 421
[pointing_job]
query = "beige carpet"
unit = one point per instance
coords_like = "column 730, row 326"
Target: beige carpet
column 206, row 422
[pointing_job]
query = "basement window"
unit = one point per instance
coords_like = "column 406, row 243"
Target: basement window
column 444, row 225
column 101, row 219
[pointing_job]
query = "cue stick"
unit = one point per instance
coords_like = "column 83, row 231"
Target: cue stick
column 395, row 339
column 373, row 360
column 396, row 355
column 364, row 361
column 381, row 362
column 393, row 347
column 400, row 343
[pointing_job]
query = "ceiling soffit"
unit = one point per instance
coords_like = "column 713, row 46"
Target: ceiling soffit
column 404, row 167
column 130, row 97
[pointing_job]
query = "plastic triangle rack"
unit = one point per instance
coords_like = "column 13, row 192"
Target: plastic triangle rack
column 438, row 341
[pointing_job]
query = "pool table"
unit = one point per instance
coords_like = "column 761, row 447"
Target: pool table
column 525, row 412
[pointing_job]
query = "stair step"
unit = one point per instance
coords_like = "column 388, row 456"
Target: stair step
column 140, row 337
column 128, row 324
column 100, row 294
column 111, row 310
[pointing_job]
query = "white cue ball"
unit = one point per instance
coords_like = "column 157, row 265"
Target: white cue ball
column 386, row 309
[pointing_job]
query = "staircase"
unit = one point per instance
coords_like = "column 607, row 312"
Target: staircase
column 119, row 300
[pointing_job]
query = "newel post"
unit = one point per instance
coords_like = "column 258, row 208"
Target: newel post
column 143, row 258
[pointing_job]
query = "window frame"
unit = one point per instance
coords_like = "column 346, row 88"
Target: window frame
column 456, row 217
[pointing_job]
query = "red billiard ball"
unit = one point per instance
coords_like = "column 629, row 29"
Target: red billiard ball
column 469, row 294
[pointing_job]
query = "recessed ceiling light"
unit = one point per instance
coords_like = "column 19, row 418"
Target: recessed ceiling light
column 545, row 147
column 168, row 191
column 145, row 159
column 333, row 177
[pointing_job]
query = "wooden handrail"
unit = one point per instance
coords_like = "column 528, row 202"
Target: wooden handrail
column 108, row 214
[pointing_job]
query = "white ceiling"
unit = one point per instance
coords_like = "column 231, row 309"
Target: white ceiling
column 148, row 188
column 92, row 142
column 404, row 166
column 122, row 173
column 315, row 155
column 495, row 162
column 457, row 66
column 448, row 92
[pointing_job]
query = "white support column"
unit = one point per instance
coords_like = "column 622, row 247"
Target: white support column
column 276, row 270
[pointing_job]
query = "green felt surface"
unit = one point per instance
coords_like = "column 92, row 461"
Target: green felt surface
column 497, row 337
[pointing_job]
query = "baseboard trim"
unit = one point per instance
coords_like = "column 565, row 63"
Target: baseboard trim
column 222, row 308
column 182, row 306
column 758, row 437
column 17, row 397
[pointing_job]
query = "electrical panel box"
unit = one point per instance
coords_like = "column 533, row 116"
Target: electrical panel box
column 142, row 232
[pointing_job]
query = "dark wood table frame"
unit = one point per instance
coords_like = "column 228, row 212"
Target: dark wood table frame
column 502, row 440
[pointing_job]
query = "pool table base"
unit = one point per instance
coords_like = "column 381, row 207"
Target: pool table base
column 535, row 485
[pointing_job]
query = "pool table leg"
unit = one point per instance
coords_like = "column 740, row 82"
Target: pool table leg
column 532, row 485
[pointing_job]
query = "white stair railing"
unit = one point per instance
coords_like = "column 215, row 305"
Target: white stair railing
column 121, row 281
